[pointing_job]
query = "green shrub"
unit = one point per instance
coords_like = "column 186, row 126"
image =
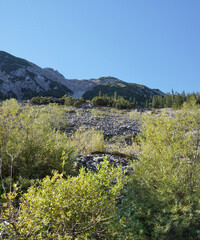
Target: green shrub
column 31, row 139
column 165, row 187
column 82, row 207
column 101, row 101
column 82, row 100
column 121, row 103
column 70, row 101
column 41, row 100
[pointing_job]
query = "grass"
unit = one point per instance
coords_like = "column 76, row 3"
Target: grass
column 125, row 145
column 88, row 141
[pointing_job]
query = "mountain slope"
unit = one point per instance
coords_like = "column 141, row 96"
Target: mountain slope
column 130, row 91
column 22, row 79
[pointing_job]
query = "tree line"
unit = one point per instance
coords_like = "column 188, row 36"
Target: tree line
column 174, row 100
column 169, row 100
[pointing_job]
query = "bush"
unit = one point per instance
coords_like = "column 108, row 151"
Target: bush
column 165, row 187
column 30, row 139
column 82, row 207
column 70, row 101
column 101, row 101
column 121, row 103
column 41, row 100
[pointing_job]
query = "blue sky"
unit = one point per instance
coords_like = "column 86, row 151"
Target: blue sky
column 152, row 42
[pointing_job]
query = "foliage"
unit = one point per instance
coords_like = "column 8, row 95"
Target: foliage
column 121, row 103
column 135, row 93
column 99, row 112
column 175, row 100
column 160, row 201
column 41, row 100
column 82, row 207
column 30, row 137
column 116, row 102
column 135, row 115
column 64, row 100
column 87, row 141
column 165, row 187
column 125, row 145
column 101, row 101
column 69, row 101
column 119, row 98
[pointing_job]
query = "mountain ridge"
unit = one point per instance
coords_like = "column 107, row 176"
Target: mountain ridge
column 23, row 80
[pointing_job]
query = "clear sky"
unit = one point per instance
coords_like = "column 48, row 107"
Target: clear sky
column 152, row 42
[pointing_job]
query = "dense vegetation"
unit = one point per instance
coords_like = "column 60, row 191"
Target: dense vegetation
column 165, row 187
column 64, row 100
column 169, row 100
column 129, row 91
column 175, row 100
column 45, row 195
column 140, row 96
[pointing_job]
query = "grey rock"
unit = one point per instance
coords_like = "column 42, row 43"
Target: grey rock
column 93, row 161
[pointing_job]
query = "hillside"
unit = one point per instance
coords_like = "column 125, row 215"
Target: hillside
column 23, row 80
column 130, row 91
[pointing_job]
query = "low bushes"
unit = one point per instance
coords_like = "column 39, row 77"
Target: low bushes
column 31, row 141
column 165, row 188
column 41, row 100
column 82, row 207
column 65, row 100
column 158, row 200
column 119, row 103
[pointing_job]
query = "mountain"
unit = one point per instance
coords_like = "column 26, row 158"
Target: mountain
column 130, row 91
column 22, row 79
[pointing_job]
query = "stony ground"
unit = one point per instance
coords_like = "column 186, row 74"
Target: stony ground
column 110, row 121
column 117, row 126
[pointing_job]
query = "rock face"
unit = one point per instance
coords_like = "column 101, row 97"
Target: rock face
column 23, row 80
column 78, row 87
